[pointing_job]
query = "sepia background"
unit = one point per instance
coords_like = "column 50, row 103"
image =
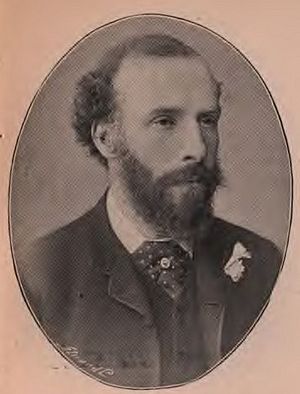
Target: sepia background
column 35, row 36
column 54, row 180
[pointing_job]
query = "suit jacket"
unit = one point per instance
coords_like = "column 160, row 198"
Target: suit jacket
column 87, row 298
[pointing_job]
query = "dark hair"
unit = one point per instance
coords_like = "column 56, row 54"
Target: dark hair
column 94, row 100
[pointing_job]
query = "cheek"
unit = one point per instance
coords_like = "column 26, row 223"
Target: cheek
column 156, row 151
column 212, row 144
column 165, row 150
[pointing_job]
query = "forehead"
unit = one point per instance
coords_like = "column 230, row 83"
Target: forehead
column 147, row 82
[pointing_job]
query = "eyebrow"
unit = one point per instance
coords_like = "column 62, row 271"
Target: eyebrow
column 166, row 111
column 179, row 111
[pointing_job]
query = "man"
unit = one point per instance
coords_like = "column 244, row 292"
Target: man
column 148, row 288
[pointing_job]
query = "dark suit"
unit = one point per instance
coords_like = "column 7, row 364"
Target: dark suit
column 87, row 297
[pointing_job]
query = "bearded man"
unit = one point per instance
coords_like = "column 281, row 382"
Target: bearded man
column 148, row 288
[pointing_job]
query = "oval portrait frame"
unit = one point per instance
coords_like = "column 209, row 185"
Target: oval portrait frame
column 291, row 183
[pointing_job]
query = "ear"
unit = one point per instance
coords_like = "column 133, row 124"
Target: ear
column 103, row 137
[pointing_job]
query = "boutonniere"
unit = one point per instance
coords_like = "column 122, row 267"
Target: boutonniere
column 235, row 265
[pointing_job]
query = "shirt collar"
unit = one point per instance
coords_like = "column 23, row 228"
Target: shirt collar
column 127, row 231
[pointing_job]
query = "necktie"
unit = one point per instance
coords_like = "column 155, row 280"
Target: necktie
column 168, row 273
column 164, row 263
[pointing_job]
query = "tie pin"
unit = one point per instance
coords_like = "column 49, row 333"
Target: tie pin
column 165, row 263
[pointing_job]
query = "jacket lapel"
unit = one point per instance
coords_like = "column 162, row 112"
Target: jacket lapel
column 123, row 284
column 212, row 297
column 125, row 287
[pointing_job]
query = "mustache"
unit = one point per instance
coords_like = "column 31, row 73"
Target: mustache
column 194, row 173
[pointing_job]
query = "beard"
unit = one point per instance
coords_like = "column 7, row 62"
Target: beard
column 178, row 203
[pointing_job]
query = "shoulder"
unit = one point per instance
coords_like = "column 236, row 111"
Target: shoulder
column 55, row 264
column 231, row 232
column 60, row 243
column 227, row 235
column 74, row 237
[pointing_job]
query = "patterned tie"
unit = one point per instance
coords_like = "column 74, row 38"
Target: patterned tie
column 165, row 263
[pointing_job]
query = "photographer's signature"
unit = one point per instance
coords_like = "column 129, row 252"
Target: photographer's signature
column 73, row 353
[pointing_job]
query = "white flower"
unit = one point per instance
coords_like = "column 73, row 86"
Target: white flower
column 235, row 267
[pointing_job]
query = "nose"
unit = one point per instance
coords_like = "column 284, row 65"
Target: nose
column 195, row 146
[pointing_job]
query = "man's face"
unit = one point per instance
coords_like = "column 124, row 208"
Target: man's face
column 169, row 111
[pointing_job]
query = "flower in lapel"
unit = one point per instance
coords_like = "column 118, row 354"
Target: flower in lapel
column 235, row 267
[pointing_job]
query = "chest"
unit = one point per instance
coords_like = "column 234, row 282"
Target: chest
column 112, row 341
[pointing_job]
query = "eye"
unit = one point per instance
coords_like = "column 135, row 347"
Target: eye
column 166, row 122
column 209, row 120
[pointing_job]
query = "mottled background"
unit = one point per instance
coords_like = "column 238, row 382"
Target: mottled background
column 54, row 180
